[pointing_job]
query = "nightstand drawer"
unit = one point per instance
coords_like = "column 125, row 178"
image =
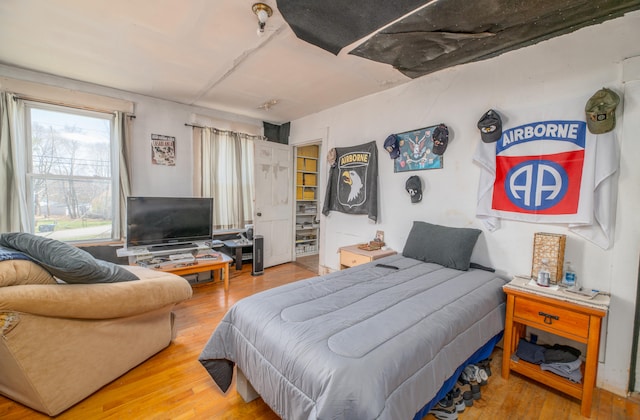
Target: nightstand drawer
column 552, row 317
column 349, row 259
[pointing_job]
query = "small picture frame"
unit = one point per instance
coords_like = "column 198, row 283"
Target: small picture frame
column 163, row 150
column 416, row 151
column 379, row 236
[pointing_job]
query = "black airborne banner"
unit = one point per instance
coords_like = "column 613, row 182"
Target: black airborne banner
column 353, row 181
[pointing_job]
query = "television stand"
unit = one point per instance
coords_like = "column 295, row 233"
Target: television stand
column 136, row 253
column 172, row 247
column 204, row 259
column 208, row 261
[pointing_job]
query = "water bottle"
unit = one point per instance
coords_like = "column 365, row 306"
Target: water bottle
column 569, row 278
column 544, row 275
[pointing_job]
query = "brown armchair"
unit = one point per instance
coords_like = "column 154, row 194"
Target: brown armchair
column 62, row 342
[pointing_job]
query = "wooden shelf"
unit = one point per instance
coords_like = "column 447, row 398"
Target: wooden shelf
column 305, row 254
column 307, row 182
column 555, row 381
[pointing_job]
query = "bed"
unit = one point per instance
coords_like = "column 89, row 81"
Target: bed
column 383, row 340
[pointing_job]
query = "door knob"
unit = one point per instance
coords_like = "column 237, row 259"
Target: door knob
column 258, row 214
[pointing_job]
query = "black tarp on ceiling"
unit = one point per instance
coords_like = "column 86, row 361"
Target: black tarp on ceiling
column 334, row 24
column 444, row 33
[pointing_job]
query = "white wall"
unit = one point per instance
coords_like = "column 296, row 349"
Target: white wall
column 153, row 116
column 529, row 82
column 628, row 227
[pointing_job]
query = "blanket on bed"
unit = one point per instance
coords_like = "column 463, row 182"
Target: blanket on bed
column 364, row 343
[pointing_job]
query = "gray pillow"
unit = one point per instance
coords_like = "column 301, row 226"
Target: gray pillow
column 447, row 246
column 65, row 261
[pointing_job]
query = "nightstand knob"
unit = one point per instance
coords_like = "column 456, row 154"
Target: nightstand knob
column 548, row 318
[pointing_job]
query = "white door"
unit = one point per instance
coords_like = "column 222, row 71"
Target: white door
column 273, row 208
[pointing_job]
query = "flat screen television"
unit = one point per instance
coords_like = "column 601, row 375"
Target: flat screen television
column 168, row 220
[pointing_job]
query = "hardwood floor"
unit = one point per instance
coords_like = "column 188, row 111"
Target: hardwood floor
column 173, row 384
column 310, row 262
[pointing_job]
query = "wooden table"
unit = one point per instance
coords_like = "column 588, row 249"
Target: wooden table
column 200, row 265
column 350, row 256
column 560, row 313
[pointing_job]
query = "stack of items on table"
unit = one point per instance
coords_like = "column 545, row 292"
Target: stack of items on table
column 464, row 392
column 560, row 359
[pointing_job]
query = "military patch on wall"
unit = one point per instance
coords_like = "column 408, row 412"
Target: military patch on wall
column 418, row 150
column 353, row 181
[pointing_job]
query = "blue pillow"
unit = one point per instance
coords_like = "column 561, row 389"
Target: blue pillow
column 66, row 262
column 7, row 254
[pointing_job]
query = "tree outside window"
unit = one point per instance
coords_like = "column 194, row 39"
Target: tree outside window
column 70, row 173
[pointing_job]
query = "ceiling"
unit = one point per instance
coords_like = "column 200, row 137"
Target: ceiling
column 208, row 53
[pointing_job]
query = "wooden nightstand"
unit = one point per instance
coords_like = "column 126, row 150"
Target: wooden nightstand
column 350, row 256
column 560, row 313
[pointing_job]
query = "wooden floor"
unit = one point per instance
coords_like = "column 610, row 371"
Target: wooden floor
column 173, row 384
column 310, row 262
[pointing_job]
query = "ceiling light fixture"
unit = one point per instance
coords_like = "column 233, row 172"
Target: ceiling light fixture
column 263, row 12
column 267, row 105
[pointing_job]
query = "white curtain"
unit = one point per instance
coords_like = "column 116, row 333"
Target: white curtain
column 122, row 125
column 14, row 216
column 226, row 174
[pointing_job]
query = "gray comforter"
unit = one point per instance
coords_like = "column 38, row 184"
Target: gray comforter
column 364, row 343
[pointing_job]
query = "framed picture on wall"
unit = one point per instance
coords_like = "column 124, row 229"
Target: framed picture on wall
column 416, row 151
column 163, row 150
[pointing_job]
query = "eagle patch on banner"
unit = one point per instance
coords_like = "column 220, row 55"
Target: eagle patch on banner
column 353, row 181
column 550, row 172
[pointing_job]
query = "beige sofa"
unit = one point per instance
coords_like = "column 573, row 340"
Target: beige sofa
column 62, row 342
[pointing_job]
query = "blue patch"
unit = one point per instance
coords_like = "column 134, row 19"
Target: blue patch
column 567, row 131
column 7, row 254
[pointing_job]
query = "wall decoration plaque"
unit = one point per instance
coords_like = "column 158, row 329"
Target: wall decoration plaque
column 416, row 151
column 163, row 150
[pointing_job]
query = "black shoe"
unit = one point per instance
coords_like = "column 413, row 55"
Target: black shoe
column 467, row 394
column 445, row 409
column 458, row 399
column 468, row 377
column 485, row 365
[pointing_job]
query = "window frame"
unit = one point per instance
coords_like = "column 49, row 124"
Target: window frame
column 114, row 148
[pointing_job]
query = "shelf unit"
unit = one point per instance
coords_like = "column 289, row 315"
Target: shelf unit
column 307, row 230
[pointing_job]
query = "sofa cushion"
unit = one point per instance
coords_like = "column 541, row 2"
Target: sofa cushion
column 155, row 290
column 66, row 262
column 19, row 272
column 16, row 269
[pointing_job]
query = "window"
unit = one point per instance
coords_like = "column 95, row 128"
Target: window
column 72, row 174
